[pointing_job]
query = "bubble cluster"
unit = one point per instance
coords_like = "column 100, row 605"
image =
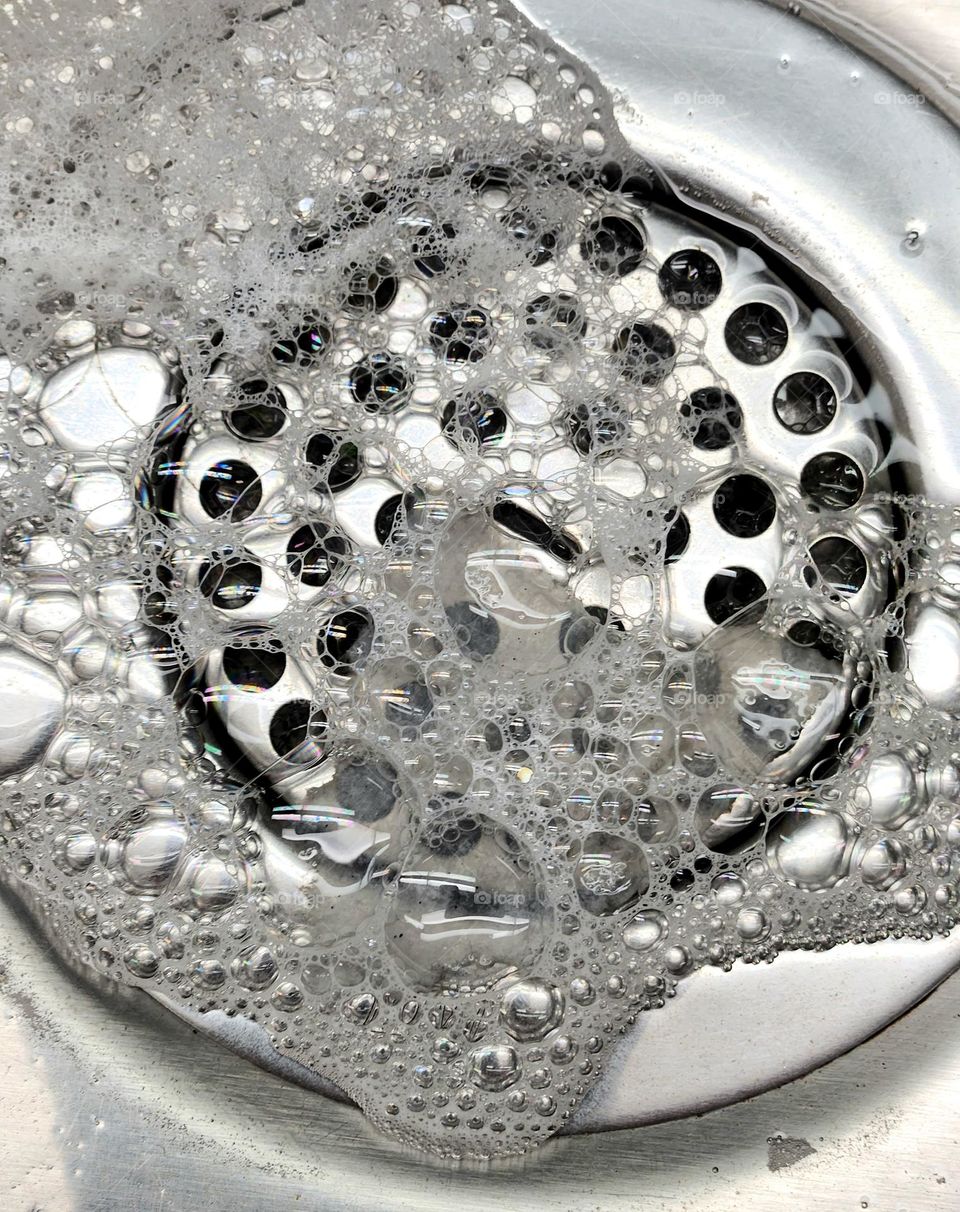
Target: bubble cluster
column 451, row 592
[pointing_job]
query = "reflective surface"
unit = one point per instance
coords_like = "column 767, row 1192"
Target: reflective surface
column 676, row 1156
column 103, row 1127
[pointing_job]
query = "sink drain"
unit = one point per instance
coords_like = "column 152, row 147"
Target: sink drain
column 691, row 427
column 477, row 597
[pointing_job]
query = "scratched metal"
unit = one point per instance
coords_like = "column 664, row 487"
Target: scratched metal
column 111, row 1104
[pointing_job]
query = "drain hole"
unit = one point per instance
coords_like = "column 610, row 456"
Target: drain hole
column 314, row 553
column 534, row 529
column 158, row 611
column 805, row 403
column 298, row 733
column 806, row 633
column 840, row 563
column 832, row 480
column 756, row 334
column 372, row 289
column 261, row 412
column 711, row 418
column 230, row 487
column 232, row 583
column 306, row 346
column 474, row 419
column 613, row 246
column 647, row 352
column 463, row 334
column 744, row 506
column 380, row 382
column 257, row 668
column 672, row 545
column 690, row 279
column 678, row 538
column 731, row 590
column 389, row 519
column 603, row 426
column 338, row 472
column 345, row 640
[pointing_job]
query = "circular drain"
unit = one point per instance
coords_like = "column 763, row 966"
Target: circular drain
column 527, row 639
column 516, row 577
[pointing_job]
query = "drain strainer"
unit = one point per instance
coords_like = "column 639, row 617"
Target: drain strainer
column 455, row 589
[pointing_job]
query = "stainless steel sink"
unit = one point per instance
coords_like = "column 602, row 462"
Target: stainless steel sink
column 787, row 124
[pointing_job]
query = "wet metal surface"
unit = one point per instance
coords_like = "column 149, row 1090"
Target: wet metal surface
column 84, row 1102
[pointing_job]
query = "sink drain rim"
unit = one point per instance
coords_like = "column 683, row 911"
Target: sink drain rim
column 915, row 368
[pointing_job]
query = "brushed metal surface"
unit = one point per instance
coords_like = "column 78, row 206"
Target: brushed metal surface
column 918, row 39
column 111, row 1104
column 725, row 1036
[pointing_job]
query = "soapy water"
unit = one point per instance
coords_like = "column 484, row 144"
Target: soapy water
column 450, row 593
